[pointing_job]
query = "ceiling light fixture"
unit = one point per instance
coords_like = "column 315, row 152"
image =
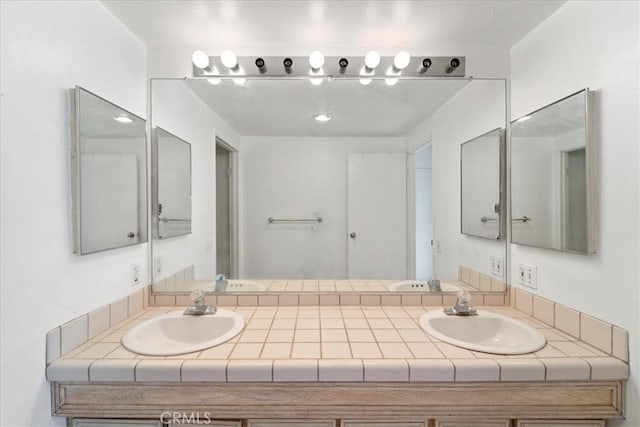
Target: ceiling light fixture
column 288, row 63
column 401, row 60
column 372, row 60
column 453, row 64
column 123, row 118
column 316, row 60
column 229, row 59
column 261, row 65
column 322, row 118
column 343, row 63
column 200, row 59
column 426, row 63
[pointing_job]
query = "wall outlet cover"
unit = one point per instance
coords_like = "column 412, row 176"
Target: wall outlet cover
column 497, row 266
column 136, row 272
column 528, row 276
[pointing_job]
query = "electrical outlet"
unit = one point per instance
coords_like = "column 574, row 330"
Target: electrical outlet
column 157, row 266
column 135, row 274
column 528, row 276
column 497, row 266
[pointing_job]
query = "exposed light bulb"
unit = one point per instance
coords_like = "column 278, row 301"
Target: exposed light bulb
column 401, row 60
column 200, row 59
column 322, row 118
column 229, row 59
column 364, row 82
column 316, row 81
column 391, row 82
column 372, row 59
column 123, row 118
column 214, row 80
column 316, row 59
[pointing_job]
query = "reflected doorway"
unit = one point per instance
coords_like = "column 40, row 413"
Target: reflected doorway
column 225, row 210
column 423, row 213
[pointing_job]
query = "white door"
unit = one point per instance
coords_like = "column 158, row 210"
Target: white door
column 376, row 216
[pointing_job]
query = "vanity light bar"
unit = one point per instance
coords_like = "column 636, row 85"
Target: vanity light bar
column 332, row 66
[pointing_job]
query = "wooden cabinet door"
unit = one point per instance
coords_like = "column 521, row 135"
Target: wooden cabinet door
column 291, row 423
column 364, row 423
column 561, row 423
column 474, row 423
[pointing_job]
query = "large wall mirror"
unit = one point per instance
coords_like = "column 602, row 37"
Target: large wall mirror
column 552, row 193
column 109, row 174
column 333, row 187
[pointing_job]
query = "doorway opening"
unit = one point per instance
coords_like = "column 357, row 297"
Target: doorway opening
column 423, row 212
column 226, row 208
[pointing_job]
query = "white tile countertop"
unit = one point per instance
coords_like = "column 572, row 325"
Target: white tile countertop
column 334, row 344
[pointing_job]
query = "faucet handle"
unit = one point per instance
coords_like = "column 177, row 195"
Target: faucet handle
column 197, row 296
column 463, row 298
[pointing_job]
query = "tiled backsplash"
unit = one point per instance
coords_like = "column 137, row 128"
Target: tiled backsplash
column 177, row 282
column 480, row 281
column 604, row 336
column 78, row 331
column 344, row 299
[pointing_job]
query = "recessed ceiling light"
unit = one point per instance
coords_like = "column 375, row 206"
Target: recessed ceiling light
column 322, row 118
column 123, row 118
column 522, row 119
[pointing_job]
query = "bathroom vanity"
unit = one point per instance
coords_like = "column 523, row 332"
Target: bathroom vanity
column 344, row 366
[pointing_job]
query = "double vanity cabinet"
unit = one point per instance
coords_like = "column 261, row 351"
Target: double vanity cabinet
column 337, row 366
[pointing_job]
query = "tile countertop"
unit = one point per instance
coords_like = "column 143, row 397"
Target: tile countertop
column 335, row 344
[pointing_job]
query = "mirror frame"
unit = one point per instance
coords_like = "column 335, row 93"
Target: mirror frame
column 75, row 169
column 592, row 195
column 502, row 193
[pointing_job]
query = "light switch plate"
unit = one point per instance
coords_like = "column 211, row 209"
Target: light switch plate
column 528, row 276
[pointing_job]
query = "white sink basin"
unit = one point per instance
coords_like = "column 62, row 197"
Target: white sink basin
column 244, row 286
column 176, row 333
column 487, row 332
column 420, row 286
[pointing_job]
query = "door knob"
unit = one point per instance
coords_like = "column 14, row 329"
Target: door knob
column 353, row 235
column 131, row 235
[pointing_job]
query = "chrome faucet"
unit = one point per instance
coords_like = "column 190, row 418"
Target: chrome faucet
column 462, row 307
column 199, row 307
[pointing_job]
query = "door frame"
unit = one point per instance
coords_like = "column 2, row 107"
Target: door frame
column 233, row 207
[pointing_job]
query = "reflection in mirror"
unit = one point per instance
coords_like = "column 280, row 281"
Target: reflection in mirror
column 109, row 175
column 482, row 184
column 551, row 194
column 171, row 185
column 366, row 201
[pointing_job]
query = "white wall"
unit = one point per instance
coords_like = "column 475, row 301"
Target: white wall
column 593, row 44
column 298, row 177
column 47, row 48
column 178, row 110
